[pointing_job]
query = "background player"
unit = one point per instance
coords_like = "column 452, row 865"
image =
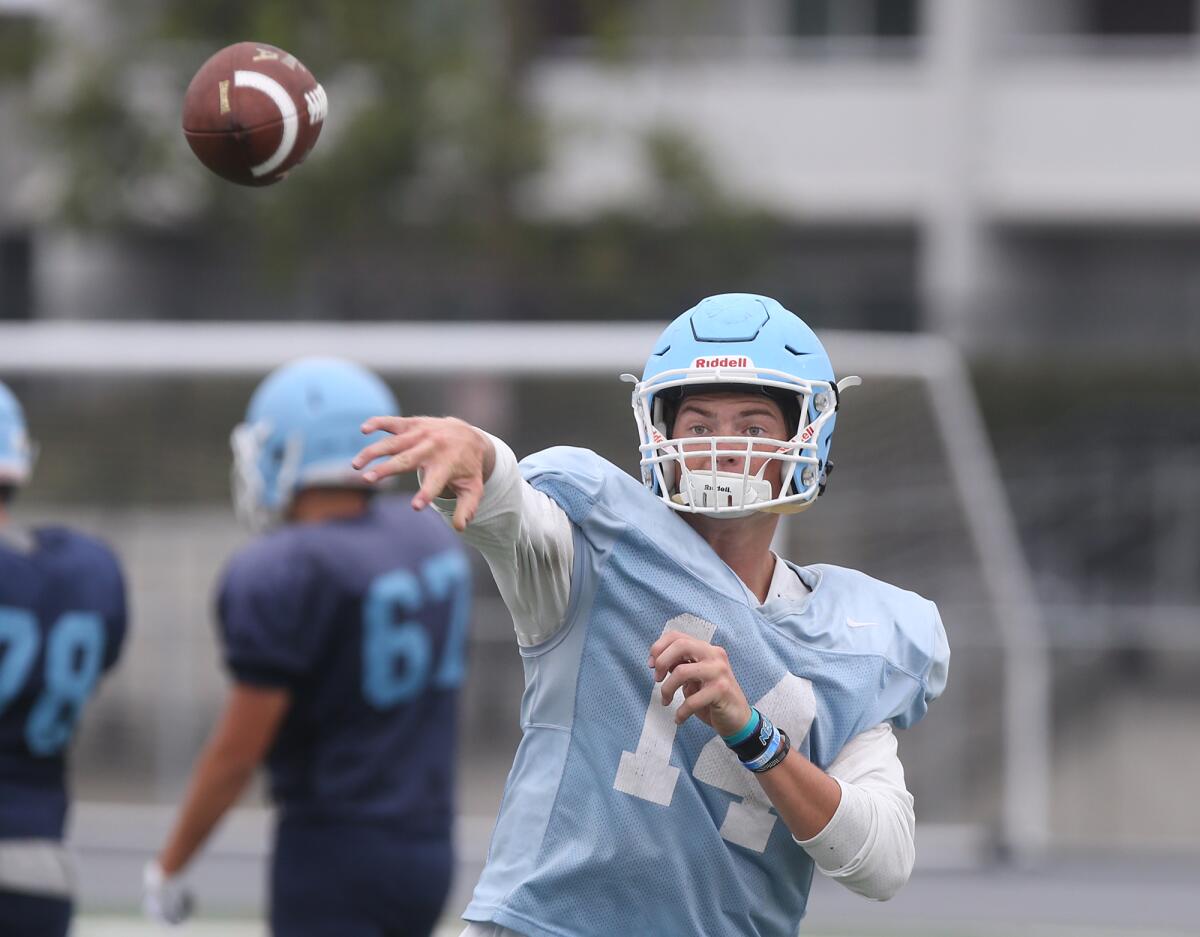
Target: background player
column 344, row 631
column 62, row 624
column 638, row 606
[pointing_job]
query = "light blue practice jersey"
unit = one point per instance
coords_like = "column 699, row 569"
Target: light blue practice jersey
column 617, row 822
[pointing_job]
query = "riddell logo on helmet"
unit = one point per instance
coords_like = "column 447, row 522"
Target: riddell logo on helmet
column 723, row 362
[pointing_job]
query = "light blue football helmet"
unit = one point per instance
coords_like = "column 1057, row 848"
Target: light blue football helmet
column 301, row 431
column 748, row 343
column 16, row 451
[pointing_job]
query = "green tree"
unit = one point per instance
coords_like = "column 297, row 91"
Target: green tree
column 431, row 141
column 428, row 121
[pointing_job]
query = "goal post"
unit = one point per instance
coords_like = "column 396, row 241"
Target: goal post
column 917, row 497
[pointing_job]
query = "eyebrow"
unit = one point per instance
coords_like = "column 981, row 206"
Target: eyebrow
column 751, row 410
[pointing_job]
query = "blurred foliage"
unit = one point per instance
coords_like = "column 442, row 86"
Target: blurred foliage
column 430, row 121
column 20, row 47
column 429, row 151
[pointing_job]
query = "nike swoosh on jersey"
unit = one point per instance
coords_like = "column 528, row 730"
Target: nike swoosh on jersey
column 860, row 624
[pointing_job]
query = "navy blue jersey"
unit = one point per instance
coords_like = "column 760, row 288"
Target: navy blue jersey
column 364, row 622
column 62, row 622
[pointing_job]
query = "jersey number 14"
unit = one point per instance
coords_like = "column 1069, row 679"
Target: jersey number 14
column 649, row 775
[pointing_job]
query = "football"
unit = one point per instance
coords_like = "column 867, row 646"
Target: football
column 252, row 113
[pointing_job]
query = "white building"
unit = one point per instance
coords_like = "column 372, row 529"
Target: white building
column 1034, row 163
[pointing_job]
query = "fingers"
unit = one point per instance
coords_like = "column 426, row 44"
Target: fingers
column 672, row 637
column 404, row 430
column 389, row 445
column 389, row 424
column 446, row 451
column 408, row 460
column 681, row 648
column 468, row 502
column 700, row 672
column 393, row 466
column 368, row 454
column 668, row 638
column 433, row 483
column 467, row 490
column 706, row 696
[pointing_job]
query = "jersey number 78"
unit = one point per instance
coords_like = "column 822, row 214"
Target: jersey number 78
column 74, row 654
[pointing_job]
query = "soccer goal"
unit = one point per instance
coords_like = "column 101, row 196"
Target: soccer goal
column 133, row 421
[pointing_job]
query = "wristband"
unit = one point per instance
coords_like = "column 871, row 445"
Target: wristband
column 780, row 747
column 733, row 741
column 754, row 739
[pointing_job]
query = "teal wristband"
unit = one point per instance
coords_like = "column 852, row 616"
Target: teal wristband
column 746, row 731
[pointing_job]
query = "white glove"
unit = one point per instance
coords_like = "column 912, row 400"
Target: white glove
column 164, row 899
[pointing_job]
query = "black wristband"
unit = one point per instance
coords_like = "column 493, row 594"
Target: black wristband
column 785, row 746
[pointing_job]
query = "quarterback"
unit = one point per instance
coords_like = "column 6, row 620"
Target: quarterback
column 704, row 722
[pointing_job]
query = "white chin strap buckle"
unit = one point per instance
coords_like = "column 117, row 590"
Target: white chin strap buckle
column 729, row 490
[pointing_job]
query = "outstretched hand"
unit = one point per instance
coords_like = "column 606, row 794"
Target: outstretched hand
column 711, row 692
column 453, row 457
